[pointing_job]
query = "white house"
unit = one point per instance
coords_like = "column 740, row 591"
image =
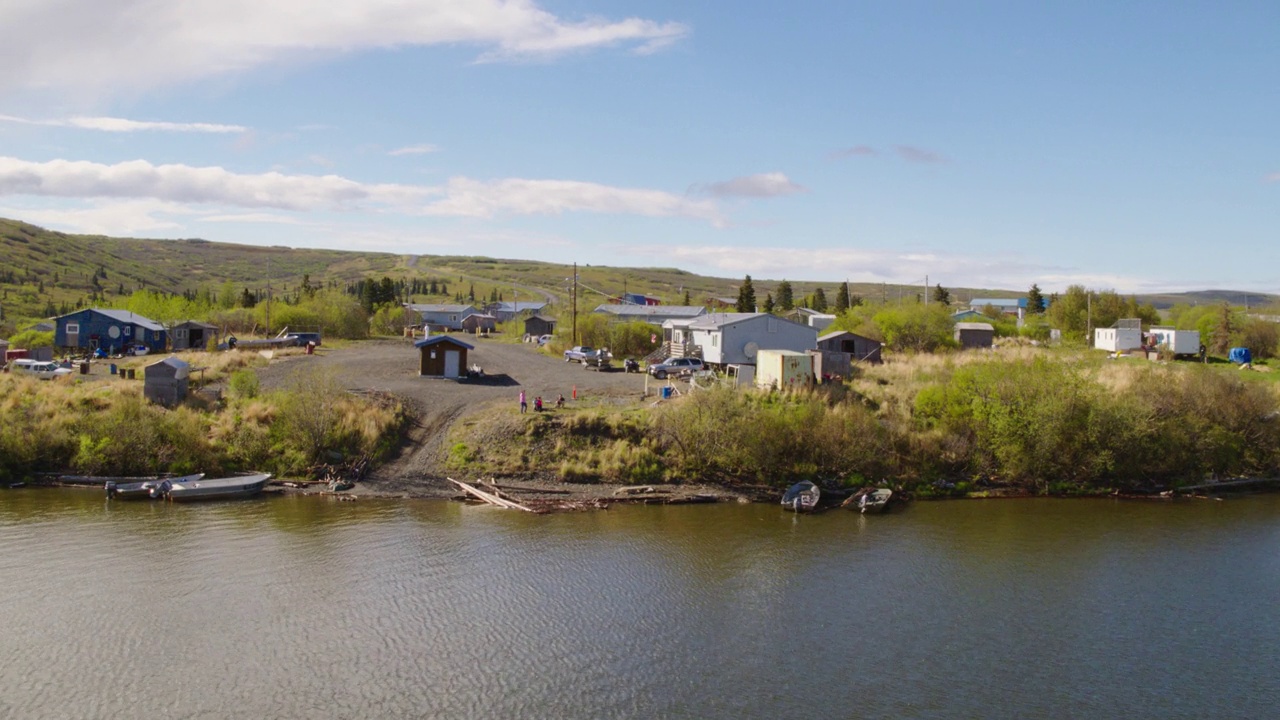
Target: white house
column 1118, row 339
column 736, row 337
column 443, row 317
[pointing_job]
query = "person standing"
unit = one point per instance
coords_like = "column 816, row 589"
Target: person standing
column 523, row 404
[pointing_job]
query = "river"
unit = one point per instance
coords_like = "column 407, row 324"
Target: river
column 302, row 607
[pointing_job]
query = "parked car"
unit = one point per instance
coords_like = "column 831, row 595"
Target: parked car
column 600, row 360
column 301, row 339
column 678, row 367
column 38, row 368
column 578, row 353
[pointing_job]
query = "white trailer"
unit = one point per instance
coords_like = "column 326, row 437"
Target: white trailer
column 1180, row 342
column 783, row 369
column 1117, row 339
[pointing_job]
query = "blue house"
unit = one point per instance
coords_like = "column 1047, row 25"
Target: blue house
column 111, row 330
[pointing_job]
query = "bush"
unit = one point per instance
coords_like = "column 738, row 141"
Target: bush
column 244, row 383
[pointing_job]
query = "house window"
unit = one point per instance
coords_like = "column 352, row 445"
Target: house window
column 73, row 328
column 715, row 341
column 180, row 333
column 128, row 330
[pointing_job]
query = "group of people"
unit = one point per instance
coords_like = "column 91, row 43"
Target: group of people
column 537, row 403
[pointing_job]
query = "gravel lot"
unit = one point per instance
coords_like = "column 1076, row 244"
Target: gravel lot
column 392, row 366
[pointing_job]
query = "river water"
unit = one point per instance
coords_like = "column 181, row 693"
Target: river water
column 301, row 607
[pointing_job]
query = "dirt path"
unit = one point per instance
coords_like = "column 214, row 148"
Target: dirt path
column 392, row 366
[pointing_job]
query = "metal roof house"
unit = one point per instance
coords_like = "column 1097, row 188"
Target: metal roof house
column 479, row 323
column 655, row 314
column 537, row 326
column 1007, row 306
column 505, row 311
column 112, row 330
column 443, row 317
column 442, row 356
column 736, row 338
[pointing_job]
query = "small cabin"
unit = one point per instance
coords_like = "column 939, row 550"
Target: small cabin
column 166, row 382
column 193, row 335
column 479, row 323
column 1118, row 339
column 442, row 356
column 859, row 348
column 537, row 326
column 975, row 335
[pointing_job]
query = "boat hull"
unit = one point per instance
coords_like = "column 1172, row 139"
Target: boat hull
column 146, row 489
column 801, row 497
column 230, row 488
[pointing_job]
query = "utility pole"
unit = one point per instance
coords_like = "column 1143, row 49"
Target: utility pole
column 575, row 304
column 268, row 292
column 1088, row 314
column 926, row 289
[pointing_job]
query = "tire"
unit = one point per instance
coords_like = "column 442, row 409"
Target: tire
column 661, row 374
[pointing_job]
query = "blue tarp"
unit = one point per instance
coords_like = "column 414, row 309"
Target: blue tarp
column 1240, row 356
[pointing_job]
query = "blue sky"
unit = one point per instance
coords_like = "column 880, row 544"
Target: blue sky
column 992, row 144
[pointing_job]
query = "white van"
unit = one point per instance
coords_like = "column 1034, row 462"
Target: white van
column 38, row 368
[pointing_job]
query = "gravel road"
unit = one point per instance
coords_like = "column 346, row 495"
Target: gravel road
column 392, row 366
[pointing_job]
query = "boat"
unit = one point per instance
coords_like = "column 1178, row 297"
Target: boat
column 227, row 488
column 801, row 497
column 149, row 489
column 875, row 501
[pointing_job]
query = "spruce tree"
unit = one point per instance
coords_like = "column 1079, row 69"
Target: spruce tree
column 842, row 298
column 1035, row 300
column 746, row 297
column 786, row 299
column 819, row 300
column 768, row 303
column 941, row 295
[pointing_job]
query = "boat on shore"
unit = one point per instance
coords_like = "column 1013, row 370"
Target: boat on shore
column 149, row 489
column 801, row 497
column 227, row 488
column 876, row 501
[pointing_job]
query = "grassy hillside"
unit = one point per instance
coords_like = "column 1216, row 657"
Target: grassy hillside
column 43, row 270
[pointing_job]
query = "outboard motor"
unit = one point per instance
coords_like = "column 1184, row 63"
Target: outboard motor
column 111, row 488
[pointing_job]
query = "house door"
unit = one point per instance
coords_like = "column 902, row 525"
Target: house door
column 451, row 363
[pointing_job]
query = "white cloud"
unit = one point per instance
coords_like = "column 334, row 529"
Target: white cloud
column 413, row 150
column 137, row 44
column 475, row 198
column 460, row 197
column 762, row 185
column 118, row 125
column 129, row 217
column 1273, row 177
column 186, row 184
column 268, row 218
column 894, row 267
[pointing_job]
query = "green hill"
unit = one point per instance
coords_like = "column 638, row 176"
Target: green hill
column 43, row 272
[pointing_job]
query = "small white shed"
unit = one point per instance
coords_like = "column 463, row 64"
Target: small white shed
column 783, row 369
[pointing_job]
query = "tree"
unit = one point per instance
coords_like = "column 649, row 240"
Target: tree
column 941, row 295
column 687, row 300
column 1224, row 327
column 785, row 300
column 1035, row 300
column 746, row 297
column 768, row 303
column 471, row 294
column 842, row 298
column 819, row 301
column 1070, row 313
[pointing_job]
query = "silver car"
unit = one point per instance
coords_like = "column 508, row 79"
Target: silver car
column 676, row 366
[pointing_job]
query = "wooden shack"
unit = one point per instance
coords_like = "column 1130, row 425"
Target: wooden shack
column 537, row 326
column 193, row 335
column 479, row 323
column 442, row 356
column 166, row 381
column 860, row 349
column 970, row 335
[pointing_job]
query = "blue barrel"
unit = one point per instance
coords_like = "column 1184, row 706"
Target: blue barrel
column 113, row 368
column 666, row 393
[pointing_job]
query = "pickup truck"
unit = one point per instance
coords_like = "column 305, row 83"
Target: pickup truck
column 579, row 353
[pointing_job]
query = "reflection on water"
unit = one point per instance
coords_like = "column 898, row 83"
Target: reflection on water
column 309, row 608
